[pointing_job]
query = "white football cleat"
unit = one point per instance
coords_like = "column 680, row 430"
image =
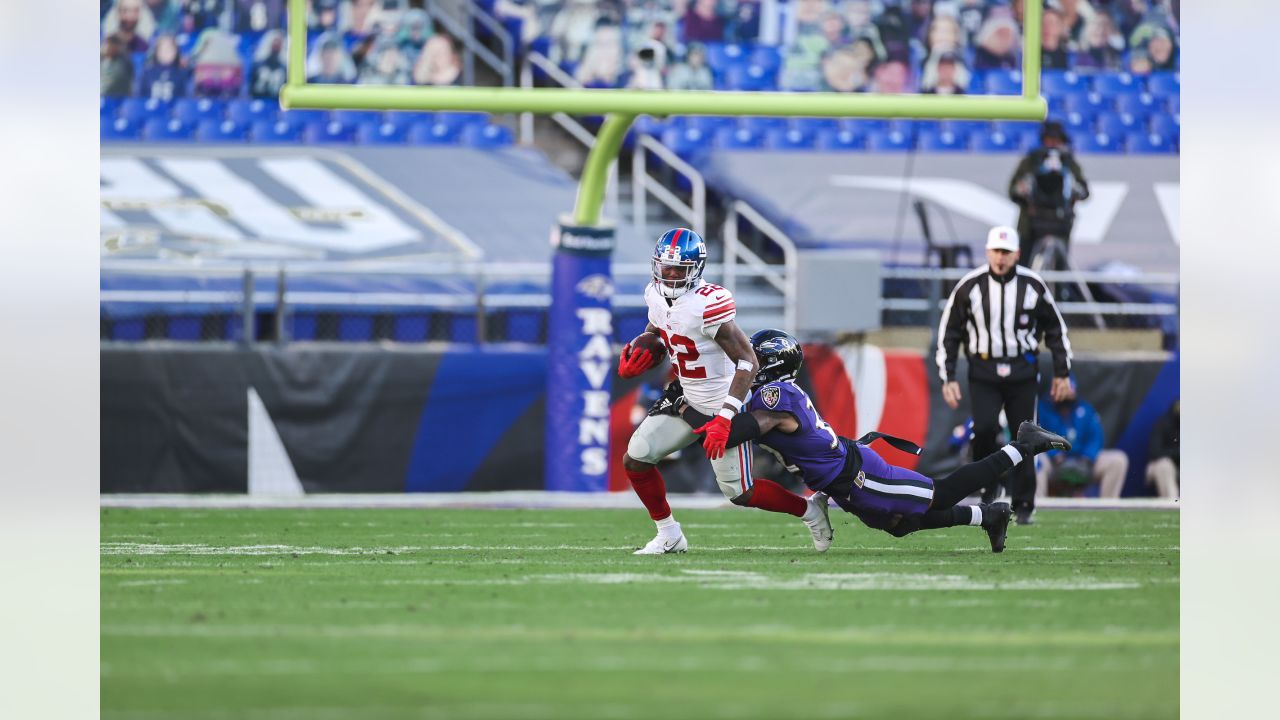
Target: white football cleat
column 818, row 522
column 661, row 545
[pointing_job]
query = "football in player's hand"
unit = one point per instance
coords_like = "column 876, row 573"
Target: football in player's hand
column 651, row 342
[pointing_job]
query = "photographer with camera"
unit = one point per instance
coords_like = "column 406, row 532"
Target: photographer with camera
column 1046, row 186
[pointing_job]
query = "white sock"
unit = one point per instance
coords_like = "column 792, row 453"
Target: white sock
column 976, row 519
column 668, row 526
column 1013, row 453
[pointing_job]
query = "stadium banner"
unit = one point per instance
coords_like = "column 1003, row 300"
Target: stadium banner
column 580, row 370
column 314, row 419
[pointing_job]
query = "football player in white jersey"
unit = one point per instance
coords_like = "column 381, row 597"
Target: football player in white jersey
column 715, row 366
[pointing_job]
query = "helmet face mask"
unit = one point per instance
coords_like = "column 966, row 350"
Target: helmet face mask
column 678, row 261
column 778, row 355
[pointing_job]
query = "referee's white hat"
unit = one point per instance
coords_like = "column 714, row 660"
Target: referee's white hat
column 1002, row 237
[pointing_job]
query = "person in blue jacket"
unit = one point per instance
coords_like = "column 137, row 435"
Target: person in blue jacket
column 1088, row 462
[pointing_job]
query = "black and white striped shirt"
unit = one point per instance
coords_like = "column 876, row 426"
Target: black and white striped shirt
column 1000, row 320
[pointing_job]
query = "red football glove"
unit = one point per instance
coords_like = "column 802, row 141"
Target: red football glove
column 635, row 363
column 717, row 436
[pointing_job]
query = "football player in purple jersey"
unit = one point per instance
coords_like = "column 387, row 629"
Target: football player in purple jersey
column 781, row 418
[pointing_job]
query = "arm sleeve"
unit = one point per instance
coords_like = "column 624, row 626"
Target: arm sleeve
column 950, row 334
column 1055, row 331
column 743, row 428
column 1078, row 176
column 1024, row 167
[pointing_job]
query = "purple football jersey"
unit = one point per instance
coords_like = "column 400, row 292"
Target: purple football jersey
column 813, row 451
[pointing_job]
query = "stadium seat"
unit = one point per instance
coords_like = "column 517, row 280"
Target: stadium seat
column 1166, row 124
column 1004, row 82
column 414, row 327
column 355, row 328
column 763, row 125
column 120, row 129
column 133, row 109
column 767, row 57
column 1014, row 128
column 192, row 111
column 1164, row 84
column 967, row 127
column 862, row 126
column 300, row 325
column 277, row 131
column 328, row 133
column 459, row 120
column 1149, row 143
column 721, row 55
column 250, row 111
column 942, row 141
column 1075, row 123
column 108, row 107
column 1121, row 124
column 1060, row 82
column 1113, row 83
column 888, row 141
column 708, row 124
column 1100, row 143
column 911, row 128
column 405, row 120
column 129, row 329
column 738, row 139
column 1140, row 104
column 162, row 130
column 186, row 328
column 487, row 136
column 789, row 139
column 814, row 125
column 684, row 141
column 302, row 118
column 221, row 131
column 381, row 133
column 750, row 77
column 651, row 126
column 1086, row 103
column 434, row 133
column 841, row 140
column 355, row 117
column 995, row 142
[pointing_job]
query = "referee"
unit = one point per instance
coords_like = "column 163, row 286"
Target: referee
column 999, row 311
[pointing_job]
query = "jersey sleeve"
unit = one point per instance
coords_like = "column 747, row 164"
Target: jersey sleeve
column 719, row 309
column 779, row 397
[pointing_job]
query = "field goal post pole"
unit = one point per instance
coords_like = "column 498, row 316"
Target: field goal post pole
column 584, row 242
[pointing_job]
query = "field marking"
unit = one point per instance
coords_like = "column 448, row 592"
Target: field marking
column 131, row 548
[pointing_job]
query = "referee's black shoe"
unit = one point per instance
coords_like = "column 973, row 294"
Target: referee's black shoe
column 1039, row 439
column 995, row 520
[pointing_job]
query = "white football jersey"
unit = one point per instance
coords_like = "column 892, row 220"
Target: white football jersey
column 688, row 326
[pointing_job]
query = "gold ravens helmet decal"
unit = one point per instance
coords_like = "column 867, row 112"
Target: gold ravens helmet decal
column 770, row 395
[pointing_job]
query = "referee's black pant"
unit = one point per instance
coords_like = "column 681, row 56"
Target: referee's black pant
column 1018, row 399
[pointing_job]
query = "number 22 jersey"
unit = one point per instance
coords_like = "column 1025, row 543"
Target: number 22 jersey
column 688, row 326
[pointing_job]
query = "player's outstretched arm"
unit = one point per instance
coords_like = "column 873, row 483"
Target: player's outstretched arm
column 745, row 426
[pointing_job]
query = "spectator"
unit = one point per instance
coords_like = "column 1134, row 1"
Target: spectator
column 375, row 17
column 165, row 75
column 744, row 24
column 891, row 76
column 1053, row 41
column 702, row 22
column 602, row 61
column 218, row 69
column 833, row 29
column 166, row 14
column 1076, row 15
column 845, row 70
column 415, row 30
column 255, row 16
column 1087, row 462
column 1101, row 47
column 693, row 73
column 970, row 15
column 944, row 74
column 1163, row 456
column 857, row 17
column 439, row 63
column 895, row 34
column 326, row 16
column 386, row 66
column 1162, row 51
column 649, row 20
column 116, row 70
column 1046, row 185
column 648, row 64
column 945, row 36
column 200, row 15
column 268, row 73
column 132, row 23
column 329, row 63
column 997, row 44
column 526, row 11
column 573, row 29
column 803, row 56
column 362, row 53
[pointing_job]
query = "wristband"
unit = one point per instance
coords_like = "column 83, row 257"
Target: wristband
column 733, row 402
column 726, row 413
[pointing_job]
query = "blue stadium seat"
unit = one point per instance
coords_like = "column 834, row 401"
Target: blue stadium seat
column 278, row 131
column 301, row 325
column 708, row 124
column 862, row 126
column 750, row 77
column 789, row 139
column 381, row 133
column 841, row 140
column 487, row 136
column 911, row 128
column 194, row 110
column 1101, row 143
column 888, row 141
column 355, row 328
column 249, row 111
column 651, row 126
column 1113, row 83
column 459, row 120
column 355, row 117
column 721, row 55
column 968, row 127
column 1004, row 82
column 1150, row 143
column 1166, row 124
column 1014, row 128
column 995, row 142
column 685, row 141
column 120, row 129
column 434, row 133
column 942, row 141
column 406, row 120
column 767, row 57
column 187, row 327
column 1086, row 103
column 762, row 125
column 162, row 130
column 302, row 118
column 738, row 139
column 108, row 107
column 329, row 133
column 1060, row 82
column 814, row 125
column 1141, row 104
column 221, row 131
column 977, row 81
column 1119, row 124
column 133, row 109
column 462, row 328
column 129, row 329
column 411, row 328
column 1164, row 84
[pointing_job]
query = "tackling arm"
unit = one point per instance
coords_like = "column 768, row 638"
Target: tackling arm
column 746, row 426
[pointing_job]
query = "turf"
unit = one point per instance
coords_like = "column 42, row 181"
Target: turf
column 319, row 614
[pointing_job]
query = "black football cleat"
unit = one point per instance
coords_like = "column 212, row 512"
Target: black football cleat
column 995, row 520
column 1039, row 439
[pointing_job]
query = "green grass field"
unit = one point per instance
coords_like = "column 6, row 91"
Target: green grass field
column 327, row 614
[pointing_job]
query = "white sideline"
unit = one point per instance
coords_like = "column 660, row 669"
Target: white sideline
column 514, row 499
